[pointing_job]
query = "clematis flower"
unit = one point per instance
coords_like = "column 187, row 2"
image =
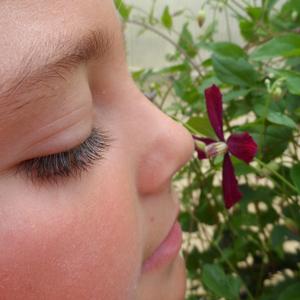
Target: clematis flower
column 240, row 145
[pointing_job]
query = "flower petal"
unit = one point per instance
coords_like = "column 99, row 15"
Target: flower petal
column 213, row 98
column 242, row 146
column 201, row 154
column 231, row 190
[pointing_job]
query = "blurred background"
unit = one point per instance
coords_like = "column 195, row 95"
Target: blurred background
column 250, row 49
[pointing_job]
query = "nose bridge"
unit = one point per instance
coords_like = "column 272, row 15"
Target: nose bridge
column 167, row 147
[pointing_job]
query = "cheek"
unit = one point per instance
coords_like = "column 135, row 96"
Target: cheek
column 79, row 243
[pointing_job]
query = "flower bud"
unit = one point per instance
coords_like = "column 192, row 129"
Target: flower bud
column 294, row 15
column 201, row 17
column 268, row 84
column 277, row 93
column 216, row 149
column 220, row 6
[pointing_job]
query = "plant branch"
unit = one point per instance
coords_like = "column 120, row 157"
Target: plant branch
column 165, row 37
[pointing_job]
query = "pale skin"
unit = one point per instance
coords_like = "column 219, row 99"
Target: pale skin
column 82, row 237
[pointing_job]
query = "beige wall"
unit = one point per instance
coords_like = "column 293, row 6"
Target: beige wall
column 149, row 49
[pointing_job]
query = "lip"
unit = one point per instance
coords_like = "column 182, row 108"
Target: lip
column 167, row 251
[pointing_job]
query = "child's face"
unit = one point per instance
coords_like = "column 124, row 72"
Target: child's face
column 85, row 236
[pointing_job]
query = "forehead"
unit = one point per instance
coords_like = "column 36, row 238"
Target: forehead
column 38, row 24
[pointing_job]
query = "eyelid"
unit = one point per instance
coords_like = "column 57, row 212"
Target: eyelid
column 71, row 163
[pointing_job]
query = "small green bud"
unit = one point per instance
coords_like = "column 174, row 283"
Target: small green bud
column 271, row 75
column 268, row 84
column 277, row 93
column 294, row 15
column 220, row 6
column 201, row 17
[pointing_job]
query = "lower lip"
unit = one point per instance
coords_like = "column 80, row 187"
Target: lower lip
column 167, row 251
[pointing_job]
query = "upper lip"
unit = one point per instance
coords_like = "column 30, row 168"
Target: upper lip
column 153, row 249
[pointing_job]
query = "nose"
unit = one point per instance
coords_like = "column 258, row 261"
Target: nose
column 167, row 146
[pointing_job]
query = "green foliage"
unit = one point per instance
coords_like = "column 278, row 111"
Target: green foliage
column 242, row 250
column 123, row 9
column 287, row 45
column 295, row 174
column 219, row 283
column 166, row 18
column 291, row 293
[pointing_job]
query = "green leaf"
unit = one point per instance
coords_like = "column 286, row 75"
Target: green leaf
column 193, row 261
column 255, row 12
column 235, row 284
column 286, row 46
column 234, row 71
column 202, row 126
column 166, row 18
column 278, row 237
column 219, row 283
column 290, row 6
column 123, row 9
column 185, row 88
column 186, row 42
column 173, row 69
column 248, row 30
column 281, row 119
column 295, row 175
column 291, row 293
column 235, row 95
column 227, row 49
column 205, row 212
column 188, row 224
column 292, row 79
column 240, row 167
column 274, row 292
column 293, row 83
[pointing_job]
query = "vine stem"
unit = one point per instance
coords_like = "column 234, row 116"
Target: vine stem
column 239, row 5
column 164, row 36
column 164, row 98
column 277, row 175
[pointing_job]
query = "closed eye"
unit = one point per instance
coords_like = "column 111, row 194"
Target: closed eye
column 66, row 164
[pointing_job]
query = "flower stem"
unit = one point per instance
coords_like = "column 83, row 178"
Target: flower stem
column 264, row 127
column 187, row 126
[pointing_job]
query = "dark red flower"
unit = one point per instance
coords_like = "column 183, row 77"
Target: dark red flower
column 240, row 145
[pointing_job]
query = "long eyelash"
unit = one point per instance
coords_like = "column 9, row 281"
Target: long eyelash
column 69, row 163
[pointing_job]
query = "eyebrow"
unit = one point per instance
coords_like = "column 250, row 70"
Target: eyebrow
column 67, row 54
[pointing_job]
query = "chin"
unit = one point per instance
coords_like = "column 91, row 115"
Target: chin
column 180, row 287
column 164, row 284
